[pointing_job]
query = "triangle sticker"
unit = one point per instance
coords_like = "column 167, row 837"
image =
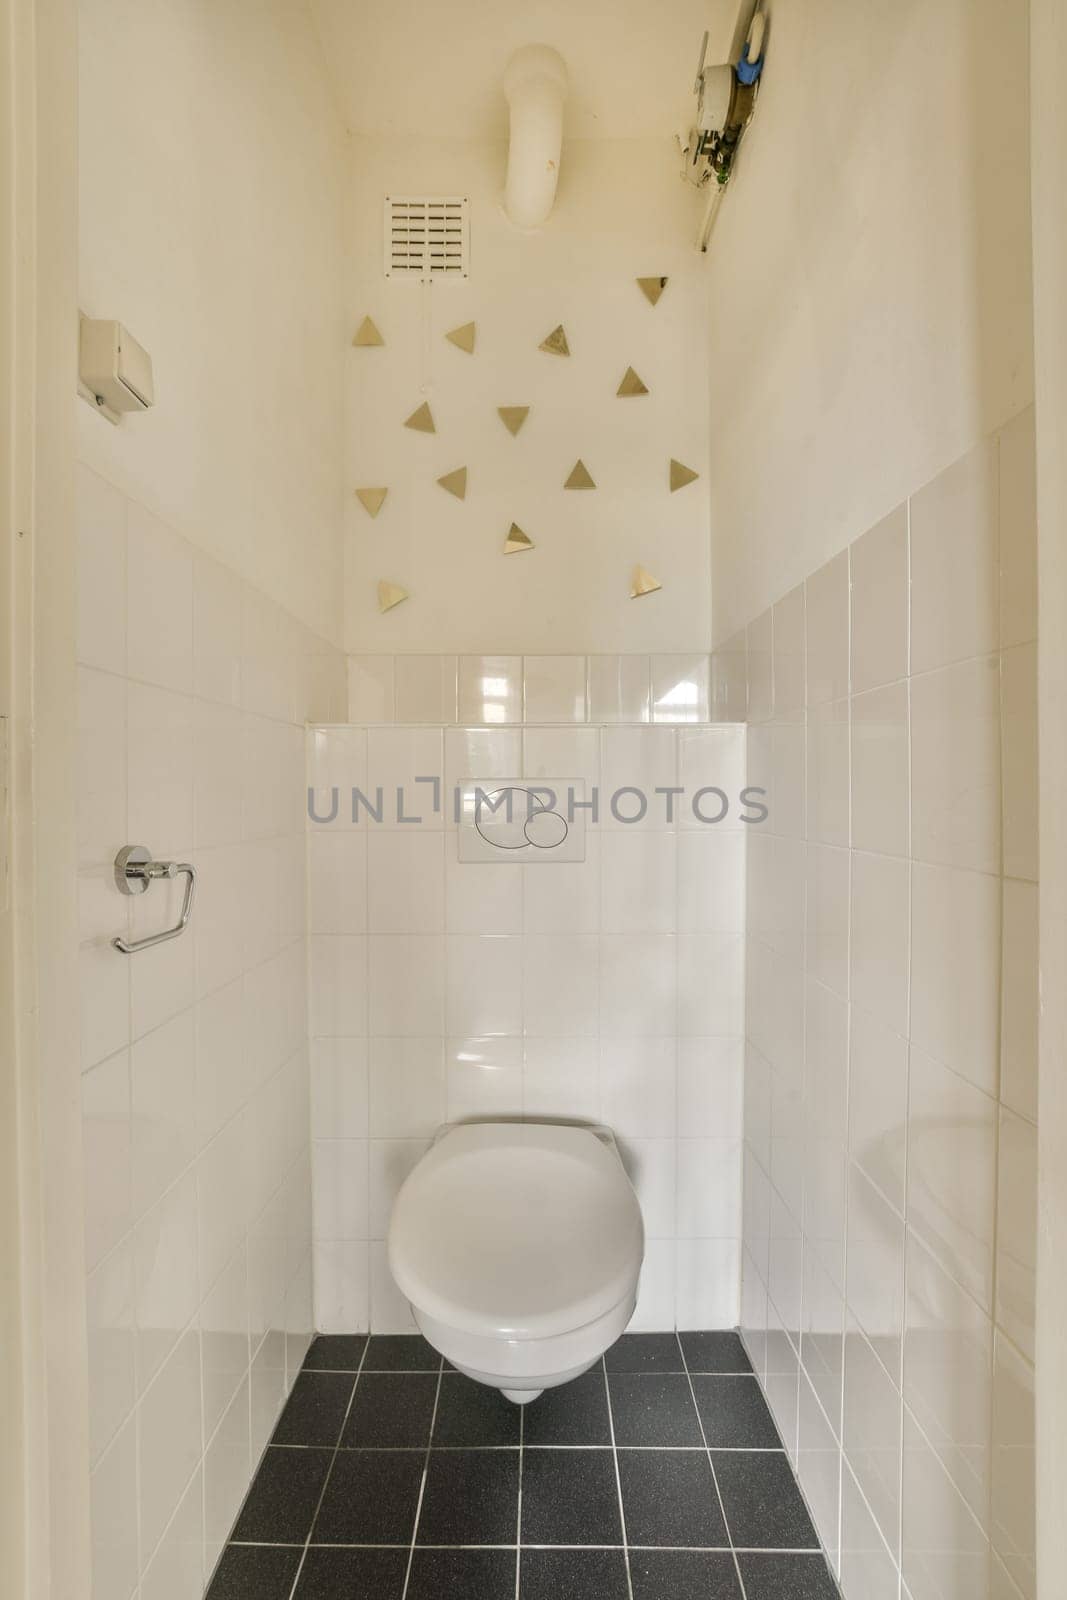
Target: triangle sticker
column 367, row 335
column 556, row 343
column 643, row 583
column 681, row 475
column 371, row 500
column 421, row 419
column 513, row 417
column 463, row 338
column 631, row 384
column 455, row 483
column 652, row 288
column 517, row 541
column 579, row 478
column 390, row 595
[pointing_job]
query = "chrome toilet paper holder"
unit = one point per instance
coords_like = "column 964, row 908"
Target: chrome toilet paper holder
column 135, row 870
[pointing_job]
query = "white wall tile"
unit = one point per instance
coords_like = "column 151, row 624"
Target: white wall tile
column 879, row 572
column 954, row 563
column 877, row 1103
column 113, row 1489
column 406, row 978
column 101, row 512
column 956, row 767
column 490, row 689
column 729, row 680
column 827, row 607
column 159, row 637
column 680, row 688
column 880, row 770
column 407, row 1087
column 872, row 1434
column 560, row 1078
column 425, row 689
column 619, row 688
column 707, row 1283
column 371, row 688
column 955, row 970
column 483, row 1077
column 637, row 1086
column 638, row 882
column 760, row 668
column 554, row 689
column 1019, row 761
column 169, row 1437
column 880, row 934
column 1016, row 1270
column 112, row 1347
column 560, row 985
column 1014, row 1484
column 165, row 1258
column 1018, row 531
column 405, row 883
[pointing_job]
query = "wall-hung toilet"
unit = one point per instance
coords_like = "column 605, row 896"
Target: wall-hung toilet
column 519, row 1247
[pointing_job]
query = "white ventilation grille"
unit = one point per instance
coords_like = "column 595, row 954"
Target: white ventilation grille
column 427, row 237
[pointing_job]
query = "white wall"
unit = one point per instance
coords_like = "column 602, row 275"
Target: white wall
column 209, row 561
column 891, row 1082
column 869, row 278
column 211, row 192
column 622, row 212
column 610, row 989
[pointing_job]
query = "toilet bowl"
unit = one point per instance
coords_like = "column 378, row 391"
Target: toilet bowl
column 518, row 1246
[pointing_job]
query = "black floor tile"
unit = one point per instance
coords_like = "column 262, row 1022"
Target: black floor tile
column 391, row 1411
column 283, row 1497
column 400, row 1352
column 570, row 1497
column 352, row 1574
column 714, row 1352
column 336, row 1352
column 572, row 1575
column 668, row 1498
column 787, row 1578
column 763, row 1505
column 315, row 1410
column 645, row 1352
column 684, row 1575
column 462, row 1575
column 255, row 1572
column 471, row 1497
column 734, row 1414
column 371, row 1498
column 471, row 1414
column 572, row 1413
column 653, row 1410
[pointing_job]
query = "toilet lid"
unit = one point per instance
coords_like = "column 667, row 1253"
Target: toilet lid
column 518, row 1230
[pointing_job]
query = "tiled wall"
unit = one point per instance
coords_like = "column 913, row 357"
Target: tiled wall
column 890, row 1079
column 610, row 989
column 193, row 693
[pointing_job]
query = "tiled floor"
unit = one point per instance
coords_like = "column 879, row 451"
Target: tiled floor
column 656, row 1476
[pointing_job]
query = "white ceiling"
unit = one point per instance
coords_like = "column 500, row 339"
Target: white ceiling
column 420, row 69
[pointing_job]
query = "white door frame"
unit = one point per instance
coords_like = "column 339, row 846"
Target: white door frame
column 44, row 1479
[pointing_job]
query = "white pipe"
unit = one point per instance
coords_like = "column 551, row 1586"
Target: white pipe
column 535, row 83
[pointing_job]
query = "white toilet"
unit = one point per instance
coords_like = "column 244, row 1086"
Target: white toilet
column 519, row 1246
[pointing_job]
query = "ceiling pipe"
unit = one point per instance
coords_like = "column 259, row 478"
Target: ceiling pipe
column 535, row 84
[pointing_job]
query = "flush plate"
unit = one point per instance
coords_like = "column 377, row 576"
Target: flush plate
column 532, row 820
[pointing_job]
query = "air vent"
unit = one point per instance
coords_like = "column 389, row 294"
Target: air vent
column 427, row 237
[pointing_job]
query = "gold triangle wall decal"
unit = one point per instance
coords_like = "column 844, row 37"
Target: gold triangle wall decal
column 463, row 338
column 652, row 288
column 390, row 595
column 517, row 541
column 367, row 335
column 556, row 343
column 643, row 583
column 455, row 483
column 681, row 475
column 513, row 417
column 371, row 500
column 631, row 385
column 580, row 477
column 421, row 419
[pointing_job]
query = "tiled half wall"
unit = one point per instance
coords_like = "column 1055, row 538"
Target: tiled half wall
column 191, row 718
column 610, row 989
column 890, row 1077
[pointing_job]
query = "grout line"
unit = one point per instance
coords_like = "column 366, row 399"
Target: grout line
column 329, row 1470
column 518, row 1512
column 714, row 1475
column 618, row 1478
column 422, row 1485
